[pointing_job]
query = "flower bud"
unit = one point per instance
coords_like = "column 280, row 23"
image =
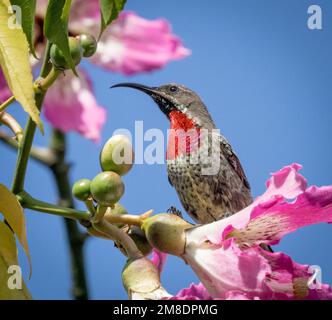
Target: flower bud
column 117, row 155
column 81, row 189
column 166, row 232
column 57, row 57
column 140, row 276
column 88, row 43
column 107, row 188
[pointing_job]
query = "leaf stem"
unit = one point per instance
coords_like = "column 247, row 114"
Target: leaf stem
column 29, row 202
column 4, row 105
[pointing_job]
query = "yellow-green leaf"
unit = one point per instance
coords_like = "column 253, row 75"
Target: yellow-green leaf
column 8, row 257
column 14, row 215
column 14, row 61
column 28, row 8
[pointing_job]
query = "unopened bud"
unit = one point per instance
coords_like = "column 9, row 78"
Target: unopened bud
column 166, row 232
column 140, row 276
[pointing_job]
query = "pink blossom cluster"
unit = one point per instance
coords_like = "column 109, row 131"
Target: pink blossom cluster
column 130, row 45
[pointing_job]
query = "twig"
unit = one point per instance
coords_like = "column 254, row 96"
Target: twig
column 75, row 237
column 4, row 105
column 43, row 155
column 12, row 124
column 114, row 233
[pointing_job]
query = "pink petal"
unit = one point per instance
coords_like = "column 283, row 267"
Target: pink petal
column 238, row 295
column 226, row 269
column 269, row 222
column 289, row 280
column 225, row 254
column 286, row 182
column 71, row 106
column 194, row 292
column 133, row 44
column 4, row 90
column 84, row 16
column 158, row 259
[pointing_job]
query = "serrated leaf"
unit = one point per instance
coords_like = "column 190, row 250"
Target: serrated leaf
column 8, row 257
column 28, row 8
column 56, row 27
column 15, row 64
column 13, row 213
column 109, row 11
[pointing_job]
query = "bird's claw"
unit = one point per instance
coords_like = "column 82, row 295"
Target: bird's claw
column 173, row 210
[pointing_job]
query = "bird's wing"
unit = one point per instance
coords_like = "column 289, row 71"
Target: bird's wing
column 234, row 161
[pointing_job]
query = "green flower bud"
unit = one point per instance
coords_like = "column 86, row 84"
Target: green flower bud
column 58, row 58
column 89, row 44
column 81, row 189
column 166, row 232
column 117, row 155
column 107, row 188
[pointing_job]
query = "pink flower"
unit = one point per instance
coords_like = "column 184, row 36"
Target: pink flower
column 194, row 292
column 129, row 45
column 4, row 90
column 158, row 259
column 71, row 106
column 133, row 44
column 227, row 257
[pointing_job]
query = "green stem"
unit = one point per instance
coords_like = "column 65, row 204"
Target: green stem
column 100, row 212
column 31, row 203
column 4, row 105
column 30, row 129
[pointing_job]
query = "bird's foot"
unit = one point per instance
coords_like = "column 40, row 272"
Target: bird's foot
column 175, row 211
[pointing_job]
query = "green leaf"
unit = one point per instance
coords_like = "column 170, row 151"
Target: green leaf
column 109, row 10
column 8, row 257
column 13, row 213
column 28, row 8
column 56, row 27
column 15, row 64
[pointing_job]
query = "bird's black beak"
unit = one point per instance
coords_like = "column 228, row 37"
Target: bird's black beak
column 159, row 97
column 136, row 86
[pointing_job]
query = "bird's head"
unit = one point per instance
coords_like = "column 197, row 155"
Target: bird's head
column 182, row 106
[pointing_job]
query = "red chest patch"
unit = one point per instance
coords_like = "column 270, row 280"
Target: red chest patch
column 184, row 136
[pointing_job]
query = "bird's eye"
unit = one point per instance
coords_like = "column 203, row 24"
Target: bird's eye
column 173, row 89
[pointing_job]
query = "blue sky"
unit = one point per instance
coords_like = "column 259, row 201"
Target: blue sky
column 266, row 79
